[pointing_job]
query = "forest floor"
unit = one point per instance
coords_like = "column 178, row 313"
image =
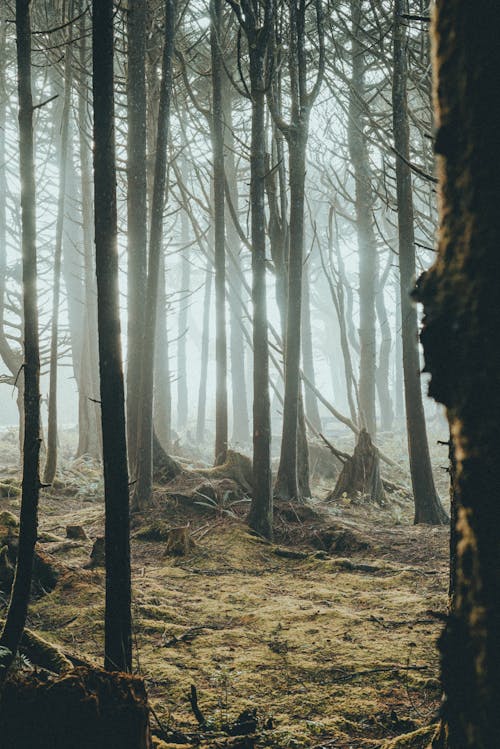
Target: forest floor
column 329, row 633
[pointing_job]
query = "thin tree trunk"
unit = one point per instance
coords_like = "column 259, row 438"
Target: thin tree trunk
column 182, row 388
column 367, row 249
column 90, row 443
column 428, row 508
column 143, row 486
column 52, row 438
column 20, row 593
column 162, row 389
column 136, row 213
column 261, row 509
column 221, row 430
column 117, row 618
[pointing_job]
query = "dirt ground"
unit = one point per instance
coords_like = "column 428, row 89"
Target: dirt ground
column 329, row 633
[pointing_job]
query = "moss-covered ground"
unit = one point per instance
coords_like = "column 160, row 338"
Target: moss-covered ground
column 330, row 632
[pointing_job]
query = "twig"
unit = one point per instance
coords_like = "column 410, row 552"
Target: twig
column 193, row 700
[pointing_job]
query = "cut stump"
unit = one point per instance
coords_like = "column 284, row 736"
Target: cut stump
column 361, row 472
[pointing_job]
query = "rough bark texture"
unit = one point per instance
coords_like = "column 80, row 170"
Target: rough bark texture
column 19, row 599
column 117, row 622
column 261, row 510
column 462, row 350
column 428, row 508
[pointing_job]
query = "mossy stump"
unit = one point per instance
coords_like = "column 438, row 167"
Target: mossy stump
column 84, row 709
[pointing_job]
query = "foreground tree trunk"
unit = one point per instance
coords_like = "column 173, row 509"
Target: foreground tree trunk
column 117, row 622
column 19, row 599
column 428, row 508
column 462, row 352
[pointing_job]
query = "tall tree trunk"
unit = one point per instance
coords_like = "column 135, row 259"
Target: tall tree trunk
column 20, row 593
column 143, row 486
column 52, row 439
column 364, row 203
column 136, row 213
column 261, row 509
column 90, row 442
column 241, row 430
column 217, row 128
column 428, row 508
column 182, row 388
column 11, row 357
column 462, row 353
column 117, row 618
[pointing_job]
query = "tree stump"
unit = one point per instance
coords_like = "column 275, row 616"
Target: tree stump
column 361, row 472
column 83, row 709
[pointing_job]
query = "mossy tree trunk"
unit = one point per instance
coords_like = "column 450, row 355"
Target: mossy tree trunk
column 462, row 350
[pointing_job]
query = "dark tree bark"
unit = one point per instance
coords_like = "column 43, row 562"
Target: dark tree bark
column 20, row 594
column 136, row 213
column 143, row 487
column 364, row 205
column 217, row 130
column 428, row 508
column 257, row 25
column 296, row 133
column 462, row 353
column 117, row 621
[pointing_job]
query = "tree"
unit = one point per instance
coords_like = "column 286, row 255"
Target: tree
column 136, row 212
column 143, row 487
column 462, row 353
column 19, row 599
column 364, row 207
column 117, row 621
column 428, row 508
column 217, row 130
column 296, row 133
column 256, row 21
